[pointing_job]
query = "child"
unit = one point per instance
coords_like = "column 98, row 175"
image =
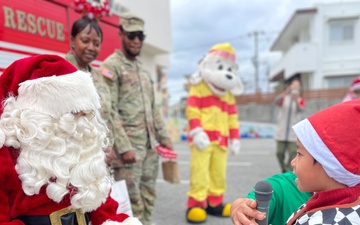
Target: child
column 327, row 163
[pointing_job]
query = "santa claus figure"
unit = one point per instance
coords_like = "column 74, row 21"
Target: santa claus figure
column 52, row 137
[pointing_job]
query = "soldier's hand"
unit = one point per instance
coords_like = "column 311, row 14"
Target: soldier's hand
column 168, row 146
column 243, row 212
column 110, row 155
column 128, row 157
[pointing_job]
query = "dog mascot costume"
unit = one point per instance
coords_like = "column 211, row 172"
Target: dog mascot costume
column 53, row 169
column 212, row 118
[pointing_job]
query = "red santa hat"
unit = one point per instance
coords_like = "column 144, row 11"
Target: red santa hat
column 332, row 137
column 48, row 84
column 355, row 84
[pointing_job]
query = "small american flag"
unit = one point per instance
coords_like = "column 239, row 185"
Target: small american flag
column 107, row 73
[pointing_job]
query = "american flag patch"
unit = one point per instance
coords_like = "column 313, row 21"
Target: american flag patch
column 107, row 73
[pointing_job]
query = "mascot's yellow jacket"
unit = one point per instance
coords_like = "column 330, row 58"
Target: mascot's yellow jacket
column 216, row 115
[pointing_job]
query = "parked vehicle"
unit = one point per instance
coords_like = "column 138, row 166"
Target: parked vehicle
column 30, row 27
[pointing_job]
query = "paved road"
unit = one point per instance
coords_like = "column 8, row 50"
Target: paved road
column 256, row 161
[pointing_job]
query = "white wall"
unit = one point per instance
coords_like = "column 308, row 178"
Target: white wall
column 336, row 12
column 340, row 59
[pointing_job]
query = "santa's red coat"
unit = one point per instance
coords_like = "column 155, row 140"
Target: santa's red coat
column 14, row 202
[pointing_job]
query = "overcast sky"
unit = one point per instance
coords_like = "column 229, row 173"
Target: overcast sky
column 199, row 24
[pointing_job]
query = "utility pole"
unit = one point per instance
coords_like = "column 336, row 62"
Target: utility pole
column 255, row 59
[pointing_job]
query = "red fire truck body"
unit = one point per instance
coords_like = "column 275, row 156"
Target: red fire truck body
column 30, row 27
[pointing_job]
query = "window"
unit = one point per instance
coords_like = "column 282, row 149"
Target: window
column 338, row 82
column 341, row 31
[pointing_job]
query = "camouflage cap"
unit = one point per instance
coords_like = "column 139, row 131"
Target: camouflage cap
column 130, row 22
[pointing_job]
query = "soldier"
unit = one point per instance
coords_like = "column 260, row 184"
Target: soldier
column 135, row 119
column 86, row 40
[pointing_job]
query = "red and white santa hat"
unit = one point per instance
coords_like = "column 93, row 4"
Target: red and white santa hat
column 355, row 84
column 332, row 137
column 48, row 84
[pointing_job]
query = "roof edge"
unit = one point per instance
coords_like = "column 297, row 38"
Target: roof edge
column 296, row 13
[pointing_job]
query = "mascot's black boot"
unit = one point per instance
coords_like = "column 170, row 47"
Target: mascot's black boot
column 196, row 215
column 220, row 210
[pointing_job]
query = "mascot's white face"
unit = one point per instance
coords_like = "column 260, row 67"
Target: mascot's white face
column 221, row 75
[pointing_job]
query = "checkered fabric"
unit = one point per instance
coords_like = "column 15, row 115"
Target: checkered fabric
column 329, row 216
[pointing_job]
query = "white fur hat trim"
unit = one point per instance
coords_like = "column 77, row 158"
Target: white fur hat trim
column 57, row 95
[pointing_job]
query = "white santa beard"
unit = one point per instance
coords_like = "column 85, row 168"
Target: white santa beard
column 62, row 154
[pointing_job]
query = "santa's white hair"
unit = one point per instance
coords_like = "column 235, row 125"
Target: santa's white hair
column 63, row 154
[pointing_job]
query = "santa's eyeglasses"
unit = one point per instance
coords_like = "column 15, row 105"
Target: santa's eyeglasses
column 133, row 35
column 90, row 114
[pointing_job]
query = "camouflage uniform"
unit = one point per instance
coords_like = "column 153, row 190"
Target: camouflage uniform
column 133, row 106
column 103, row 91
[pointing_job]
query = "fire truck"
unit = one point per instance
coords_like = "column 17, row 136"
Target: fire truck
column 31, row 27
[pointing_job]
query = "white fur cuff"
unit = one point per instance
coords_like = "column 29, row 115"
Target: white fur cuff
column 2, row 138
column 128, row 221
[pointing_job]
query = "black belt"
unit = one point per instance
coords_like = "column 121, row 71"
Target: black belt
column 61, row 217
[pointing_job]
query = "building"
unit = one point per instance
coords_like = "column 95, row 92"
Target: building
column 321, row 45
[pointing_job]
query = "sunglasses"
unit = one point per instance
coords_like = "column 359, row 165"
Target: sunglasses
column 133, row 35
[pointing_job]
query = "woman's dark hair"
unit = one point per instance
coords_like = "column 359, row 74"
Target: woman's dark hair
column 82, row 23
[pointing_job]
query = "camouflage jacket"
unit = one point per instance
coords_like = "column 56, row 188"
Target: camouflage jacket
column 103, row 91
column 135, row 118
column 71, row 58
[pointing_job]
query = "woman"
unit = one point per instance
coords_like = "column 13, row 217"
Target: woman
column 86, row 39
column 290, row 106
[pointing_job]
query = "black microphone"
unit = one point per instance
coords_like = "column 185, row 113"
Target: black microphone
column 263, row 192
